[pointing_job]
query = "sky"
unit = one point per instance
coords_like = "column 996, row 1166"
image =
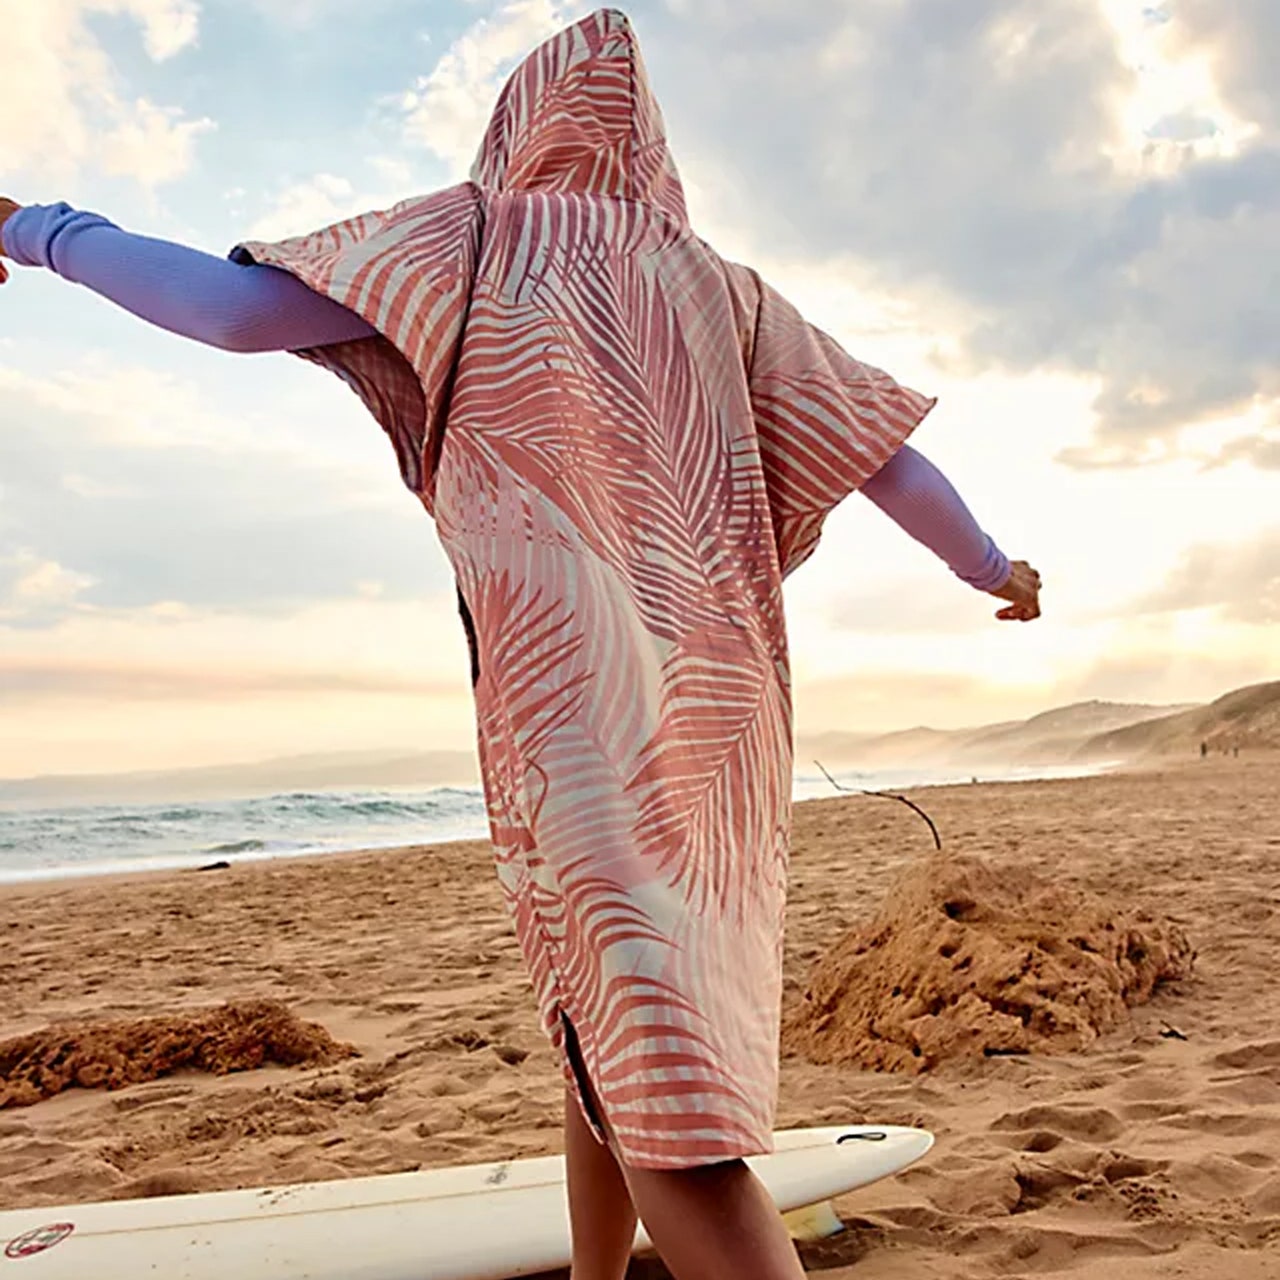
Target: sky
column 1061, row 217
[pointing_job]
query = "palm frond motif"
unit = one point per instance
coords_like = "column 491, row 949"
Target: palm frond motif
column 579, row 115
column 626, row 443
column 825, row 421
column 709, row 781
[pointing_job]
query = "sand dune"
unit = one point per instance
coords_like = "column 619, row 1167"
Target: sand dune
column 1248, row 719
column 1154, row 1152
column 1107, row 732
column 1051, row 738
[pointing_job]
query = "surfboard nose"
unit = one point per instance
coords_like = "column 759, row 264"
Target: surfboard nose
column 909, row 1145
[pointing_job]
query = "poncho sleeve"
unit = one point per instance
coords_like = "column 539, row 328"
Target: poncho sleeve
column 408, row 271
column 825, row 422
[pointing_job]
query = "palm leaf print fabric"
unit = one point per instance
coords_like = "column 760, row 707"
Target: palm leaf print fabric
column 626, row 444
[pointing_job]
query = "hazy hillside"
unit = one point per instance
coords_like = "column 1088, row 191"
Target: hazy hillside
column 1248, row 718
column 907, row 747
column 1087, row 731
column 1053, row 737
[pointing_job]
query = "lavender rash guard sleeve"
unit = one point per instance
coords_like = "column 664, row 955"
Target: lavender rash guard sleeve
column 917, row 497
column 187, row 292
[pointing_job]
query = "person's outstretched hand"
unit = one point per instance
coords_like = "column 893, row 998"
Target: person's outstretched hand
column 1023, row 593
column 7, row 209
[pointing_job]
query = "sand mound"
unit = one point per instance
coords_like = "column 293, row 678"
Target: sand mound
column 113, row 1055
column 965, row 960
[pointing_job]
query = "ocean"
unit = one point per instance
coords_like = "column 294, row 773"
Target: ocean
column 40, row 843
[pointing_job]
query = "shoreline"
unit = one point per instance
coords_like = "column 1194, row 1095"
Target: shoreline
column 199, row 862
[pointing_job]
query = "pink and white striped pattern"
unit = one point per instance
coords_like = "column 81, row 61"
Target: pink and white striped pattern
column 626, row 443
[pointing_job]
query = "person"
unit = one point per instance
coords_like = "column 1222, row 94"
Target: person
column 627, row 443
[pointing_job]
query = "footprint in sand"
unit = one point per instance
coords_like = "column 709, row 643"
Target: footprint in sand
column 1255, row 1159
column 1051, row 1250
column 1265, row 1200
column 494, row 1112
column 1250, row 1057
column 393, row 1008
column 1035, row 1142
column 440, row 1118
column 35, row 1153
column 1153, row 1111
column 1253, row 1089
column 1043, row 1183
column 1226, row 1124
column 918, row 1217
column 142, row 1096
column 511, row 1055
column 1116, row 1168
column 1085, row 1124
column 448, row 1087
column 75, row 1181
column 1216, row 1178
column 335, row 1090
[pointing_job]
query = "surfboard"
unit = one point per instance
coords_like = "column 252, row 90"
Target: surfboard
column 476, row 1222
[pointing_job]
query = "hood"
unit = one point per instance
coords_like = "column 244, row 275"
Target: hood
column 579, row 115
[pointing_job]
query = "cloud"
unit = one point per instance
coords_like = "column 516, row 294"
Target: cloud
column 151, row 144
column 324, row 199
column 98, row 498
column 35, row 592
column 64, row 106
column 1241, row 580
column 992, row 161
column 30, row 679
column 1263, row 451
column 168, row 26
column 448, row 110
column 1184, row 126
column 122, row 404
column 297, row 15
column 1243, row 39
column 924, row 605
column 883, row 699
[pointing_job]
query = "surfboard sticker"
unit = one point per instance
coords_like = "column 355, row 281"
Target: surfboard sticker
column 41, row 1240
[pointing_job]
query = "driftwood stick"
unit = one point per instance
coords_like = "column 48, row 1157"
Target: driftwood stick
column 885, row 795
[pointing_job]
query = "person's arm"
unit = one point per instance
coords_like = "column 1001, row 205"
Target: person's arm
column 220, row 303
column 913, row 493
column 917, row 497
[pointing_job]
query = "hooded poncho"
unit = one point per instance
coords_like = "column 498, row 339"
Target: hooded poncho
column 626, row 443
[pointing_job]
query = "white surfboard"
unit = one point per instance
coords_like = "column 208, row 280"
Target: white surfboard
column 478, row 1222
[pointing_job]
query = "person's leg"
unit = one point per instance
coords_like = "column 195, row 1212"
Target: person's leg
column 712, row 1223
column 715, row 1223
column 601, row 1214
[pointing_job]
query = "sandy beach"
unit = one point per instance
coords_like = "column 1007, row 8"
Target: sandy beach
column 1153, row 1152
